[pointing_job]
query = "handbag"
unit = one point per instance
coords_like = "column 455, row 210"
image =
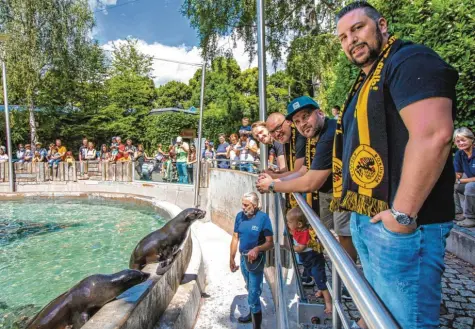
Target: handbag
column 257, row 265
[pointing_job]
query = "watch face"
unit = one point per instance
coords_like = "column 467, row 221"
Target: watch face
column 403, row 219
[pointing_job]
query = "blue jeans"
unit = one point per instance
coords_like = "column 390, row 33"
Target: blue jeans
column 253, row 285
column 246, row 167
column 314, row 264
column 182, row 172
column 54, row 162
column 405, row 270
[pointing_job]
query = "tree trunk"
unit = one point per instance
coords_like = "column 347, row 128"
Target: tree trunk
column 33, row 136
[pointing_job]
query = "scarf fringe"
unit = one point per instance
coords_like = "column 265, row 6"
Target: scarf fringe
column 361, row 204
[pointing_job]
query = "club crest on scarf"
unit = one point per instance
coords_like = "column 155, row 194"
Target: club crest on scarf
column 366, row 167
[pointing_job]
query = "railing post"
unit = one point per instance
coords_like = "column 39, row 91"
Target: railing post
column 7, row 128
column 200, row 127
column 336, row 289
column 280, row 305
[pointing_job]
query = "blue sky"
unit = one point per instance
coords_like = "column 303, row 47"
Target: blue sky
column 161, row 31
column 149, row 20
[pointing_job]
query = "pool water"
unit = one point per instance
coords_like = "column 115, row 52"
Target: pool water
column 47, row 246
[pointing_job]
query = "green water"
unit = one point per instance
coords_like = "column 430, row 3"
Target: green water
column 69, row 240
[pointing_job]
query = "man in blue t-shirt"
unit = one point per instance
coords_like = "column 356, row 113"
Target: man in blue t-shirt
column 253, row 233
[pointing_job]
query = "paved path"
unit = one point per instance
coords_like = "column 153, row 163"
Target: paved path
column 227, row 295
column 458, row 295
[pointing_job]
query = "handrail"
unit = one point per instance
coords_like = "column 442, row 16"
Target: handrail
column 372, row 310
column 280, row 305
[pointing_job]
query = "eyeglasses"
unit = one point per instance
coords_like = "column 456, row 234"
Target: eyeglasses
column 277, row 129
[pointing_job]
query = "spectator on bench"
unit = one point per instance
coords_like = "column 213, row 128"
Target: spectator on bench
column 464, row 164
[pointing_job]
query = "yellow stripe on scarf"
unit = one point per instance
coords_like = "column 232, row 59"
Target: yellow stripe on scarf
column 361, row 114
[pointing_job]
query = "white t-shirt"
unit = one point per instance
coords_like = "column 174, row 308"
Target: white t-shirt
column 4, row 157
column 247, row 154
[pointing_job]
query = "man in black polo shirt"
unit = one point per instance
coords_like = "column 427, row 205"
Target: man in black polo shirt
column 311, row 123
column 402, row 102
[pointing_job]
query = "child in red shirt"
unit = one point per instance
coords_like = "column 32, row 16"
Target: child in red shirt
column 310, row 251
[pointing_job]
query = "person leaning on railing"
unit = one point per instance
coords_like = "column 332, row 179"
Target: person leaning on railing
column 276, row 154
column 190, row 163
column 222, row 152
column 232, row 153
column 3, row 154
column 253, row 233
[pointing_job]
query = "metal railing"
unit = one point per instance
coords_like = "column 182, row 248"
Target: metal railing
column 344, row 271
column 280, row 304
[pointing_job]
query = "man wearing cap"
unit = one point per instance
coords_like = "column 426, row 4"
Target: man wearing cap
column 310, row 121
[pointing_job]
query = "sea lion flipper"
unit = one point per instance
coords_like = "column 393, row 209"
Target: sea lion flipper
column 80, row 319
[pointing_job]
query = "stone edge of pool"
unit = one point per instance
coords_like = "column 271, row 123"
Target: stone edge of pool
column 164, row 301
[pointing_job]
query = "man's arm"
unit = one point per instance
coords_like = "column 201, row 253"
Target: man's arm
column 299, row 163
column 430, row 127
column 281, row 164
column 313, row 180
column 234, row 245
column 268, row 245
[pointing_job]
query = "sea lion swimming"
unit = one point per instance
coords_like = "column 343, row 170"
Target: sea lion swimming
column 163, row 244
column 78, row 304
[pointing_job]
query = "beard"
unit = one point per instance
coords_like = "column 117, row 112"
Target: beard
column 249, row 213
column 314, row 131
column 373, row 51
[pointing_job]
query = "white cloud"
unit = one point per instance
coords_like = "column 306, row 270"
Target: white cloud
column 101, row 4
column 164, row 72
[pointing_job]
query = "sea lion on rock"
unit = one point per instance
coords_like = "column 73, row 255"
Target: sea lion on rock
column 163, row 244
column 73, row 308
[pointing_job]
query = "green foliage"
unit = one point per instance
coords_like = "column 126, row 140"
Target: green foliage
column 447, row 27
column 237, row 19
column 44, row 36
column 173, row 94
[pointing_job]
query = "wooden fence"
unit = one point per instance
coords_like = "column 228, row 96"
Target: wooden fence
column 65, row 172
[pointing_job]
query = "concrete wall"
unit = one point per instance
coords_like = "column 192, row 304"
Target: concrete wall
column 177, row 194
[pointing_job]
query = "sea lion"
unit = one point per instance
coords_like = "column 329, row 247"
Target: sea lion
column 78, row 304
column 163, row 244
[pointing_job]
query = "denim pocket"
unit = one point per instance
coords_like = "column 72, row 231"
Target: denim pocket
column 397, row 234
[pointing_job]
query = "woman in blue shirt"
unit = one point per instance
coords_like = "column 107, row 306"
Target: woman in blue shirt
column 222, row 152
column 253, row 233
column 464, row 164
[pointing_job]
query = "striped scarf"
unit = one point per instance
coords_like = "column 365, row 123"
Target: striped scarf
column 290, row 157
column 362, row 184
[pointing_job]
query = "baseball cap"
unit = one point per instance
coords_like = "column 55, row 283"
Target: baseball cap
column 300, row 103
column 179, row 139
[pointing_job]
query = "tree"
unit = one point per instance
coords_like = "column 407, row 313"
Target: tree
column 130, row 93
column 44, row 36
column 173, row 94
column 237, row 19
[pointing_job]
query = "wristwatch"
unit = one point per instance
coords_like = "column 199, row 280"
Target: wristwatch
column 271, row 187
column 458, row 181
column 403, row 218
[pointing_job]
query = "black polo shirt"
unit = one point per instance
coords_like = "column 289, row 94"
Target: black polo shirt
column 414, row 73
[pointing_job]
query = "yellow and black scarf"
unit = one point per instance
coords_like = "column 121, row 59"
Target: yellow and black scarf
column 362, row 184
column 290, row 157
